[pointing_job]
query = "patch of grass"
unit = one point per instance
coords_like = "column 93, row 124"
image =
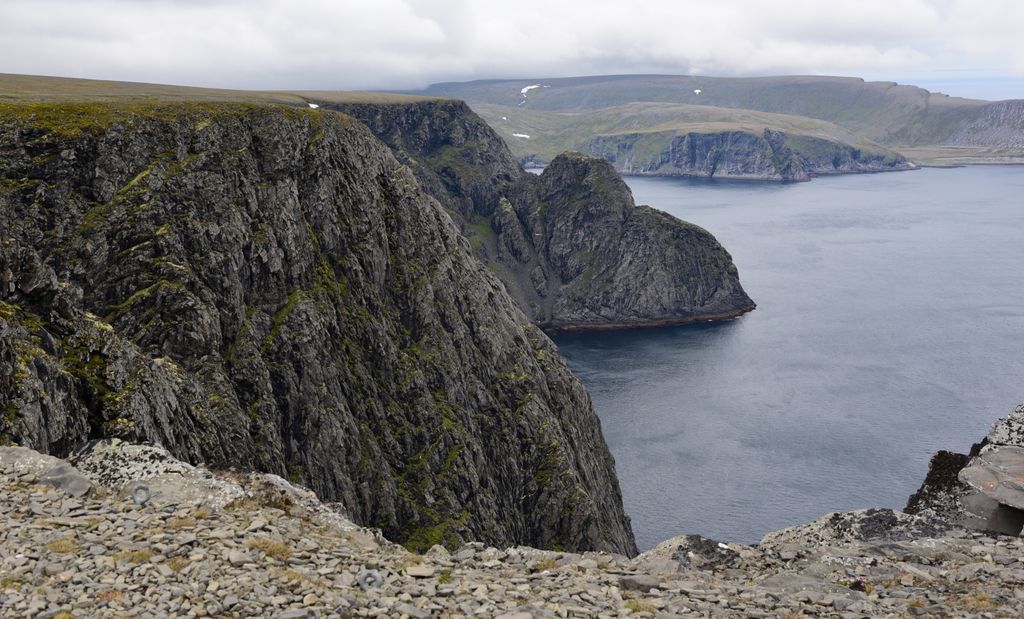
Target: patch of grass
column 134, row 556
column 64, row 614
column 272, row 548
column 10, row 583
column 178, row 563
column 63, row 546
column 444, row 577
column 180, row 523
column 976, row 601
column 640, row 606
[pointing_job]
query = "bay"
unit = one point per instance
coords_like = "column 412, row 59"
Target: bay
column 890, row 324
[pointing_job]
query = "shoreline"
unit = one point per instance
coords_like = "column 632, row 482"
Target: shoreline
column 651, row 324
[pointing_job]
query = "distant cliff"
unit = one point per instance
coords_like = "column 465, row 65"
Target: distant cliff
column 771, row 155
column 999, row 124
column 268, row 288
column 571, row 246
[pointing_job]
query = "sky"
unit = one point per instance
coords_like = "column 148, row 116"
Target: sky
column 960, row 47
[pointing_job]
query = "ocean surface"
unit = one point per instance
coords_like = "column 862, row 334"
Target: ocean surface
column 890, row 324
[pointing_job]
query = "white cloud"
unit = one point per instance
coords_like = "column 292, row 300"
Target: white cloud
column 409, row 43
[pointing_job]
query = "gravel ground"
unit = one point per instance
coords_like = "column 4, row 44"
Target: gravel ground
column 233, row 545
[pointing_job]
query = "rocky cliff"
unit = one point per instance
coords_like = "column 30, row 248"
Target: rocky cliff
column 268, row 288
column 770, row 155
column 571, row 246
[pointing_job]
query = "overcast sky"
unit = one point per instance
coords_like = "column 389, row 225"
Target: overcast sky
column 962, row 47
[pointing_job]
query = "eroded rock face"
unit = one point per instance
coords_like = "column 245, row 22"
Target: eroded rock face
column 269, row 289
column 570, row 246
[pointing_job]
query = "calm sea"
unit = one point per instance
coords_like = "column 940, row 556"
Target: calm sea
column 890, row 324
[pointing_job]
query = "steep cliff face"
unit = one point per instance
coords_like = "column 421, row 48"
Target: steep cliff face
column 269, row 288
column 570, row 246
column 618, row 264
column 771, row 155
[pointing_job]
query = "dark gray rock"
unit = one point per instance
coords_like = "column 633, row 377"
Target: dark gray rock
column 698, row 552
column 940, row 493
column 639, row 582
column 269, row 289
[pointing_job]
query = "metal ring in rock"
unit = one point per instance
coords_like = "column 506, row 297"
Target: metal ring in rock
column 141, row 495
column 369, row 579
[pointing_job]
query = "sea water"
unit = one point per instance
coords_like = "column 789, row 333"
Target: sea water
column 890, row 324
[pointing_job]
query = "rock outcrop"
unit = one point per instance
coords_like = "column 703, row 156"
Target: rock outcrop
column 570, row 245
column 245, row 545
column 771, row 155
column 974, row 490
column 268, row 288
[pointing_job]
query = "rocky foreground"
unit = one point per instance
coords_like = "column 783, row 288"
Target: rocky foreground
column 126, row 530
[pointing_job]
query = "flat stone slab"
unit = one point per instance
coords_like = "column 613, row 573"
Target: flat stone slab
column 67, row 479
column 998, row 473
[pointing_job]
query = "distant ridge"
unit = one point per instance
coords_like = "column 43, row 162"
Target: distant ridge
column 927, row 126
